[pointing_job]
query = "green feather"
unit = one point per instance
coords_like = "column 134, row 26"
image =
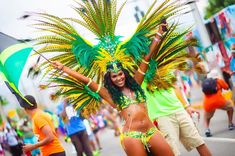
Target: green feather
column 92, row 94
column 84, row 53
column 151, row 71
column 137, row 46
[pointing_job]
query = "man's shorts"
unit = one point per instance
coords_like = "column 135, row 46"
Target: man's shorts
column 179, row 127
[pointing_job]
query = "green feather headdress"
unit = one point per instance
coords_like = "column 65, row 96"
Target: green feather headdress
column 100, row 18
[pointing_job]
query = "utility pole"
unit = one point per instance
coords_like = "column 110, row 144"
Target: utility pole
column 200, row 26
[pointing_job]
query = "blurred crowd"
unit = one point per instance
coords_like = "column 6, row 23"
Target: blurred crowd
column 15, row 133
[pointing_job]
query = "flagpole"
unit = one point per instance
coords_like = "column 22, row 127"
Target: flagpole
column 42, row 56
column 19, row 98
column 25, row 41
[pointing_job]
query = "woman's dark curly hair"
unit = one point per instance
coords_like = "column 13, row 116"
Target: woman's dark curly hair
column 115, row 91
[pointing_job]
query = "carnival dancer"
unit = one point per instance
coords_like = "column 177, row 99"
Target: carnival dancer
column 123, row 92
column 121, row 65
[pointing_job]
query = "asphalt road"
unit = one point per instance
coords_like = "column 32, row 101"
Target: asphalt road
column 222, row 143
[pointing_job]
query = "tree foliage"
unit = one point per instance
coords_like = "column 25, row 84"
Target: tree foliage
column 3, row 101
column 215, row 6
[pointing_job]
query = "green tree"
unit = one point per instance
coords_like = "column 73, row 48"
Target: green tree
column 215, row 6
column 3, row 102
column 0, row 120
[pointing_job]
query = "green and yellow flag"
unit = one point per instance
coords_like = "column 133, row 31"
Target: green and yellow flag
column 12, row 61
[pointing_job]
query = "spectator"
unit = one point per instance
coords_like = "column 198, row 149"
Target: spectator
column 232, row 68
column 95, row 128
column 12, row 140
column 110, row 118
column 166, row 107
column 29, row 137
column 76, row 130
column 2, row 140
column 90, row 135
column 213, row 101
column 43, row 127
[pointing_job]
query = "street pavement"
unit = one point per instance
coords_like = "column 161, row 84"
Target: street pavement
column 222, row 143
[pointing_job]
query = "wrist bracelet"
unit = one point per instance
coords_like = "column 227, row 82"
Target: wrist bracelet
column 156, row 39
column 160, row 35
column 145, row 61
column 141, row 72
column 98, row 88
column 89, row 82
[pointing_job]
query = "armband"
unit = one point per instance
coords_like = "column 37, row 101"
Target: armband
column 160, row 35
column 156, row 39
column 145, row 62
column 141, row 72
column 89, row 82
column 98, row 88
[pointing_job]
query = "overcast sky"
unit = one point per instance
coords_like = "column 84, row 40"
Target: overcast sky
column 11, row 10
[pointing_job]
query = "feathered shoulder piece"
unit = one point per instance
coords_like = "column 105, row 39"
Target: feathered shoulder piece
column 100, row 17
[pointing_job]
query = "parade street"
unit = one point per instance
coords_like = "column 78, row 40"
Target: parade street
column 221, row 143
column 117, row 78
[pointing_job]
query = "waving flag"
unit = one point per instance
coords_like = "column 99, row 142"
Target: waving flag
column 13, row 60
column 13, row 57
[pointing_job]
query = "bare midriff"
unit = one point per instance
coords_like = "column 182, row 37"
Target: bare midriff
column 136, row 118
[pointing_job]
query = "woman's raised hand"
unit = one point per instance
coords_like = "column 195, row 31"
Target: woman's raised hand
column 163, row 27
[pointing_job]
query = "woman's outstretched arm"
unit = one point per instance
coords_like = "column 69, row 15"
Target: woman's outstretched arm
column 103, row 92
column 143, row 67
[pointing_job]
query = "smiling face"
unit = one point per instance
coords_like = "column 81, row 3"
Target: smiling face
column 118, row 78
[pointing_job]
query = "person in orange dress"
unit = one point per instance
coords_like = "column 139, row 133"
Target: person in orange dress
column 217, row 101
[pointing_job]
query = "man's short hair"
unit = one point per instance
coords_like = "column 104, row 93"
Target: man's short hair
column 30, row 103
column 233, row 47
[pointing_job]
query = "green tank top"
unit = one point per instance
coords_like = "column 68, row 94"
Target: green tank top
column 161, row 102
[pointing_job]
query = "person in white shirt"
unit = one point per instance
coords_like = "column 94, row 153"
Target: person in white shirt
column 13, row 143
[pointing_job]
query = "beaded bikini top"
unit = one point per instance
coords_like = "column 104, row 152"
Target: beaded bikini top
column 127, row 101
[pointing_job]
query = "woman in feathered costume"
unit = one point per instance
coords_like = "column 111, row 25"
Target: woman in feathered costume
column 121, row 65
column 123, row 92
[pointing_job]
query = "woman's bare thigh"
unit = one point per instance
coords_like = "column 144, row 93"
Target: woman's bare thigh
column 159, row 146
column 133, row 147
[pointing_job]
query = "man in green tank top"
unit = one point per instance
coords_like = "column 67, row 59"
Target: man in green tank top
column 174, row 120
